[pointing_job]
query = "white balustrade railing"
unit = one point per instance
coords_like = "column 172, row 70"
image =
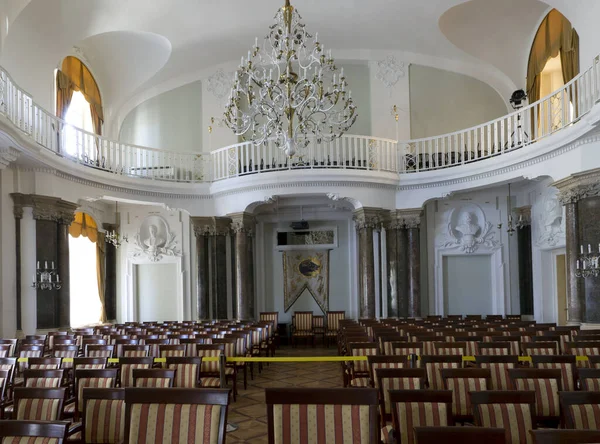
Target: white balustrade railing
column 516, row 130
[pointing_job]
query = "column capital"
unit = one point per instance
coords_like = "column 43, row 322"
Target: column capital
column 44, row 207
column 401, row 219
column 242, row 223
column 211, row 226
column 523, row 216
column 368, row 218
column 578, row 186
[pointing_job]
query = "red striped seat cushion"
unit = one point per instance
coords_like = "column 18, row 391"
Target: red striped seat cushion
column 515, row 418
column 105, row 421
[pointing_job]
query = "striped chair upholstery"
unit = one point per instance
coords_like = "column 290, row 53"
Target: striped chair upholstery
column 333, row 322
column 127, row 365
column 171, row 351
column 376, row 365
column 308, row 415
column 493, row 349
column 434, row 369
column 175, row 416
column 450, row 348
column 360, row 369
column 44, row 363
column 210, row 370
column 43, row 378
column 536, row 348
column 565, row 363
column 99, row 351
column 94, row 378
column 103, row 416
column 419, row 408
column 510, row 410
column 546, row 385
column 395, row 379
column 38, row 404
column 4, row 351
column 33, row 432
column 153, row 378
column 303, row 321
column 155, row 346
column 590, row 379
column 136, row 351
column 29, row 352
column 89, row 363
column 12, row 343
column 582, row 349
column 186, row 375
column 581, row 410
column 407, row 348
column 461, row 382
column 499, row 370
column 65, row 351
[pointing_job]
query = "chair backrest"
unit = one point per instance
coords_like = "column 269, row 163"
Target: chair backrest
column 43, row 378
column 397, row 379
column 153, row 377
column 462, row 381
column 38, row 404
column 546, row 383
column 450, row 348
column 581, row 410
column 172, row 350
column 303, row 320
column 493, row 348
column 96, row 378
column 155, row 345
column 135, row 351
column 103, row 419
column 272, row 316
column 44, row 363
column 512, row 410
column 33, row 431
column 407, row 348
column 540, row 348
column 12, row 343
column 99, row 351
column 415, row 408
column 212, row 351
column 336, row 413
column 65, row 351
column 434, row 366
column 89, row 363
column 187, row 370
column 566, row 363
column 334, row 318
column 201, row 418
column 549, row 436
column 499, row 366
column 460, row 435
column 127, row 365
column 589, row 379
column 378, row 361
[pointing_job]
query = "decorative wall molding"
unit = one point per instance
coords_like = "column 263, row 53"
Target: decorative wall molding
column 578, row 186
column 390, row 70
column 402, row 219
column 219, row 84
column 7, row 156
column 242, row 223
column 367, row 218
column 44, row 207
column 211, row 226
column 154, row 239
column 548, row 219
column 467, row 229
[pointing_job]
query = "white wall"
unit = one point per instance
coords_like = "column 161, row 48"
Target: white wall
column 467, row 296
column 170, row 121
column 443, row 102
column 339, row 273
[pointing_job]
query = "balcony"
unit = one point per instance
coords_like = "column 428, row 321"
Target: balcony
column 364, row 156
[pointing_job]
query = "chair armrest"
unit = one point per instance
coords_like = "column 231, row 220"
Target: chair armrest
column 74, row 428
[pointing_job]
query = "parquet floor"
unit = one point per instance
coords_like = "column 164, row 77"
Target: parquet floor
column 249, row 412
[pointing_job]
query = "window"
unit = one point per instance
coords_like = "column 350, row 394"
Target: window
column 79, row 116
column 85, row 302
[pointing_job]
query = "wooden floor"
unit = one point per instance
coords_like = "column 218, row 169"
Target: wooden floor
column 249, row 411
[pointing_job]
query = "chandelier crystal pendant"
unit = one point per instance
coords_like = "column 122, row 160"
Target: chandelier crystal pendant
column 289, row 90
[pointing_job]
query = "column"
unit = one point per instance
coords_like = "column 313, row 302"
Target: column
column 202, row 288
column 64, row 294
column 242, row 227
column 28, row 269
column 412, row 222
column 366, row 219
column 110, row 284
column 525, row 260
column 397, row 265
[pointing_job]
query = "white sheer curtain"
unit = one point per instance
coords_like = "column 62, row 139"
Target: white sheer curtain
column 85, row 302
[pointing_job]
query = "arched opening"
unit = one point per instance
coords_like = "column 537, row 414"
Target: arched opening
column 86, row 268
column 553, row 62
column 79, row 104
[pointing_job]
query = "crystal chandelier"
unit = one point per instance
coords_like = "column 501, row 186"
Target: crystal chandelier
column 289, row 90
column 114, row 237
column 588, row 264
column 46, row 278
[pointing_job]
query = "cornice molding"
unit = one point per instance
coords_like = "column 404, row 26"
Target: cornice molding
column 403, row 219
column 211, row 226
column 368, row 218
column 578, row 186
column 242, row 223
column 45, row 207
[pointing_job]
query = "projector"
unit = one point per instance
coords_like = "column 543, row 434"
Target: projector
column 302, row 225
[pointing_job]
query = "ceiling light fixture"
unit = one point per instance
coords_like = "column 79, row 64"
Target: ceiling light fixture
column 289, row 90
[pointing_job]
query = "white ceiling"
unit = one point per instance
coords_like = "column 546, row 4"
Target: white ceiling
column 137, row 46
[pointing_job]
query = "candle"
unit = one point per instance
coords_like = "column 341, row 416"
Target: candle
column 53, row 265
column 581, row 248
column 578, row 264
column 256, row 42
column 38, row 265
column 316, row 36
column 589, row 249
column 46, row 265
column 584, row 263
column 33, row 278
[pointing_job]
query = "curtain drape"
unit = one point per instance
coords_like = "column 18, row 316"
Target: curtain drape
column 84, row 225
column 554, row 36
column 101, row 273
column 64, row 93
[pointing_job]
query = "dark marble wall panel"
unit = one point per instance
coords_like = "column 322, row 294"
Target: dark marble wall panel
column 525, row 270
column 18, row 245
column 414, row 273
column 589, row 233
column 219, row 276
column 46, row 250
column 203, row 277
column 403, row 271
column 110, row 286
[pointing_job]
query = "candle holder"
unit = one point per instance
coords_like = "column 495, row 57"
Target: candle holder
column 588, row 264
column 46, row 278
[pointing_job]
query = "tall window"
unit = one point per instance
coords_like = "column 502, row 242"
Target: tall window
column 78, row 116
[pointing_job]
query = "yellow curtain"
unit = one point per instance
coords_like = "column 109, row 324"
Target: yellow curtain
column 84, row 225
column 64, row 93
column 554, row 36
column 101, row 273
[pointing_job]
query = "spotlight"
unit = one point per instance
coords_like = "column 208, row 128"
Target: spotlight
column 517, row 98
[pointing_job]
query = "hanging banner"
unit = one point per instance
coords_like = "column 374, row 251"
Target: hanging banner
column 306, row 269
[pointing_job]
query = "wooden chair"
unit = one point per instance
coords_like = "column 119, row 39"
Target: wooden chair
column 155, row 345
column 591, row 348
column 135, row 351
column 38, row 404
column 28, row 351
column 153, row 377
column 210, row 371
column 126, row 367
column 65, row 351
column 43, row 378
column 396, row 379
column 565, row 436
column 493, row 348
column 172, row 350
column 450, row 348
column 84, row 363
column 120, row 343
column 546, row 383
column 203, row 421
column 511, row 410
column 99, row 351
column 540, row 348
column 105, row 406
column 499, row 366
column 589, row 379
column 285, row 404
column 89, row 378
column 333, row 325
column 408, row 405
column 565, row 363
column 33, row 431
column 463, row 381
column 581, row 410
column 460, row 435
column 230, row 351
column 302, row 327
column 376, row 362
column 44, row 363
column 187, row 371
column 319, row 326
column 273, row 317
column 434, row 366
column 12, row 343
